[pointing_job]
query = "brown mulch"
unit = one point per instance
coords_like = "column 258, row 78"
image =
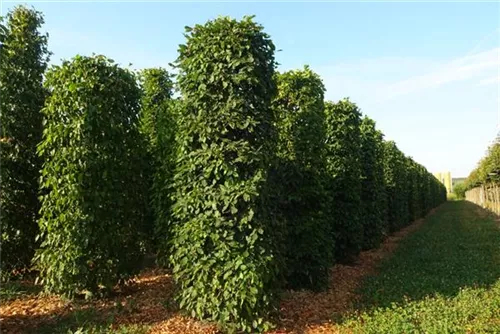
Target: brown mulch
column 313, row 312
column 147, row 300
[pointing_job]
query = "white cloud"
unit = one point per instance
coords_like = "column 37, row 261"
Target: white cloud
column 490, row 81
column 376, row 80
column 418, row 102
column 366, row 80
column 474, row 67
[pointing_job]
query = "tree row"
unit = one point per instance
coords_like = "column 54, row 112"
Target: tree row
column 246, row 184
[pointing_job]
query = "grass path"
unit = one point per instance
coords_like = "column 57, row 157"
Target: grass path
column 444, row 278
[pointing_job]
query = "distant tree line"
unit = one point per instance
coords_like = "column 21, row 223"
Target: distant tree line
column 486, row 171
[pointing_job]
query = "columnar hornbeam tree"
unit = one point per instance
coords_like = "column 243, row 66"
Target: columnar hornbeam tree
column 158, row 125
column 397, row 186
column 413, row 191
column 93, row 210
column 343, row 163
column 23, row 60
column 299, row 107
column 373, row 196
column 224, row 256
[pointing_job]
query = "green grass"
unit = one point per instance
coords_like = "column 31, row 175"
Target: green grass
column 444, row 278
column 11, row 290
column 86, row 321
column 80, row 321
column 90, row 321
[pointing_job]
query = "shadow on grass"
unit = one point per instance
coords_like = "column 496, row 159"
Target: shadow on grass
column 454, row 248
column 132, row 310
column 83, row 320
column 16, row 289
column 58, row 322
column 457, row 247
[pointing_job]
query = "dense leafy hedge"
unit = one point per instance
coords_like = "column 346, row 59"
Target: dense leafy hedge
column 223, row 257
column 23, row 60
column 373, row 202
column 5, row 265
column 299, row 107
column 459, row 190
column 419, row 178
column 343, row 164
column 395, row 182
column 94, row 207
column 411, row 190
column 438, row 192
column 487, row 169
column 421, row 181
column 158, row 125
column 414, row 204
column 245, row 184
column 157, row 91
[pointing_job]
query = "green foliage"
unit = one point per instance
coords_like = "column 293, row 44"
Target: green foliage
column 93, row 211
column 395, row 181
column 438, row 192
column 158, row 125
column 373, row 195
column 343, row 164
column 3, row 30
column 459, row 190
column 17, row 289
column 411, row 190
column 422, row 186
column 241, row 187
column 300, row 117
column 224, row 258
column 299, row 109
column 487, row 170
column 412, row 170
column 23, row 60
column 472, row 310
column 91, row 320
column 426, row 192
column 157, row 89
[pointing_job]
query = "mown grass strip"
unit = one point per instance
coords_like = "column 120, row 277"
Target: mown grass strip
column 445, row 278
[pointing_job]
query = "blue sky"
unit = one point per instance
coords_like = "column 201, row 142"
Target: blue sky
column 427, row 73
